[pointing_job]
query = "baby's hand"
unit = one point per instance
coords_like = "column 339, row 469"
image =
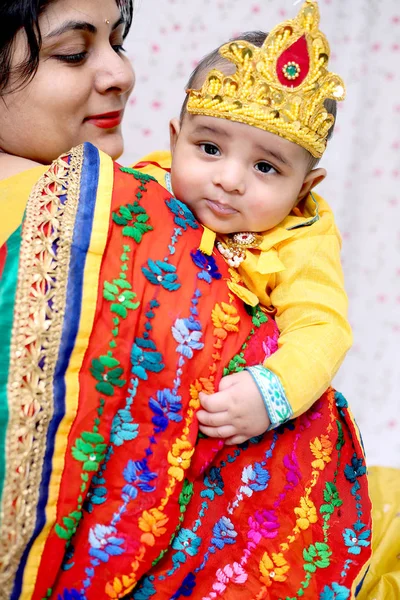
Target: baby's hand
column 236, row 412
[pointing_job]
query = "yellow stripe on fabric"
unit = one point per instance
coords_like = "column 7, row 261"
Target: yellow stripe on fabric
column 89, row 301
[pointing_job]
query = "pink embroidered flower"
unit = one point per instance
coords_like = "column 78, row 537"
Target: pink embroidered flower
column 232, row 573
column 270, row 345
column 264, row 524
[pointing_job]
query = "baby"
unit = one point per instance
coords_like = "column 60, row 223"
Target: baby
column 257, row 116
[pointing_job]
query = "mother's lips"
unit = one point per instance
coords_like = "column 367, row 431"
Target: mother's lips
column 106, row 120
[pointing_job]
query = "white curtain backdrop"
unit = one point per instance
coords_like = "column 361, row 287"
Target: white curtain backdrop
column 363, row 163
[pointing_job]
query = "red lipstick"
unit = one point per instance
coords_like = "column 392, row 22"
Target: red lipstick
column 106, row 120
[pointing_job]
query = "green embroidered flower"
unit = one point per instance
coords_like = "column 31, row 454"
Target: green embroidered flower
column 89, row 449
column 108, row 373
column 316, row 556
column 121, row 297
column 134, row 219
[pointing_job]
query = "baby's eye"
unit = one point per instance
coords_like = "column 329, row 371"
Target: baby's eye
column 210, row 149
column 265, row 167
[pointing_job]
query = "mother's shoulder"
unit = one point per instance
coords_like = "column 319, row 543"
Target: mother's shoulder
column 14, row 165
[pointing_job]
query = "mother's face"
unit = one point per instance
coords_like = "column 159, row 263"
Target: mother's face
column 81, row 87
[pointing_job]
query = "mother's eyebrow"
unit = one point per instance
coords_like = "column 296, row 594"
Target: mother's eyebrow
column 80, row 26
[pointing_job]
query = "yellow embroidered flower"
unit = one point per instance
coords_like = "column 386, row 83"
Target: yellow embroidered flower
column 273, row 568
column 179, row 458
column 321, row 449
column 225, row 319
column 307, row 513
column 152, row 523
column 118, row 588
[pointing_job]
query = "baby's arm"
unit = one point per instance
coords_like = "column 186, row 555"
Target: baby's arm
column 311, row 314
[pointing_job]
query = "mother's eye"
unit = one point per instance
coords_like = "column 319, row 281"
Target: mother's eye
column 210, row 149
column 265, row 168
column 73, row 59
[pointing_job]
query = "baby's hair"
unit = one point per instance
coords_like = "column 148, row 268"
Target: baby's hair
column 214, row 60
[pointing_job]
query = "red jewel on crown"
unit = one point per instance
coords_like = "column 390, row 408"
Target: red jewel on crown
column 293, row 65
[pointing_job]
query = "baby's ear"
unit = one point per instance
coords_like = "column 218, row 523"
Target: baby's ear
column 174, row 129
column 312, row 179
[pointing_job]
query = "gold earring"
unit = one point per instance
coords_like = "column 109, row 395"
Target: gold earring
column 107, row 21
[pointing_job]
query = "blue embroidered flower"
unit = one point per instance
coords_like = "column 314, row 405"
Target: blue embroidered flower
column 188, row 335
column 336, row 592
column 355, row 470
column 166, row 408
column 207, row 264
column 145, row 591
column 214, row 483
column 137, row 475
column 143, row 361
column 161, row 273
column 187, row 587
column 356, row 540
column 341, row 401
column 68, row 563
column 187, row 541
column 183, row 216
column 104, row 543
column 224, row 533
column 255, row 478
column 70, row 595
column 123, row 429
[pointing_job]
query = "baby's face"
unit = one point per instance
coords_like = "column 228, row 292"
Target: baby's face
column 235, row 177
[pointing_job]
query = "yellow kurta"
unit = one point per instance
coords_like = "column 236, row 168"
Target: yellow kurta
column 14, row 193
column 297, row 271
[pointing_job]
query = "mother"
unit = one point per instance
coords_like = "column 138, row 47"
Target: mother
column 104, row 305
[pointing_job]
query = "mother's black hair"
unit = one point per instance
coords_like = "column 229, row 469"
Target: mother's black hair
column 18, row 15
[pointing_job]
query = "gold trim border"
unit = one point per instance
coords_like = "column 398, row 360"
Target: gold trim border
column 38, row 319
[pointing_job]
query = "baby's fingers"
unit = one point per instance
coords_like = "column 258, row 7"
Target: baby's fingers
column 224, row 432
column 212, row 419
column 236, row 439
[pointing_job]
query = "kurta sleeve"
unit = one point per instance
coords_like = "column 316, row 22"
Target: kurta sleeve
column 311, row 314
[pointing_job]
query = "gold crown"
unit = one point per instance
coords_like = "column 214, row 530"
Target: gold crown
column 280, row 87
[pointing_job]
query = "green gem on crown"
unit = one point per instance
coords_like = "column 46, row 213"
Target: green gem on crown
column 291, row 70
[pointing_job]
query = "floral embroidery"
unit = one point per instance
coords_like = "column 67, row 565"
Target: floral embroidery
column 120, row 296
column 153, row 523
column 335, row 592
column 166, row 408
column 134, row 220
column 306, row 513
column 179, row 458
column 183, row 216
column 356, row 540
column 90, row 450
column 264, row 524
column 104, row 543
column 317, row 556
column 143, row 360
column 187, row 333
column 188, row 542
column 322, row 450
column 162, row 273
column 273, row 568
column 138, row 475
column 207, row 264
column 223, row 533
column 355, row 470
column 108, row 373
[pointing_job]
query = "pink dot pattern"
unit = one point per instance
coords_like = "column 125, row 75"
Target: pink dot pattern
column 363, row 163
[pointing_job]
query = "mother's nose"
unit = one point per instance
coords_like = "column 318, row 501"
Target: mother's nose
column 115, row 73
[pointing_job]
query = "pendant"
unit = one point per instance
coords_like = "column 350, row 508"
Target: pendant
column 234, row 246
